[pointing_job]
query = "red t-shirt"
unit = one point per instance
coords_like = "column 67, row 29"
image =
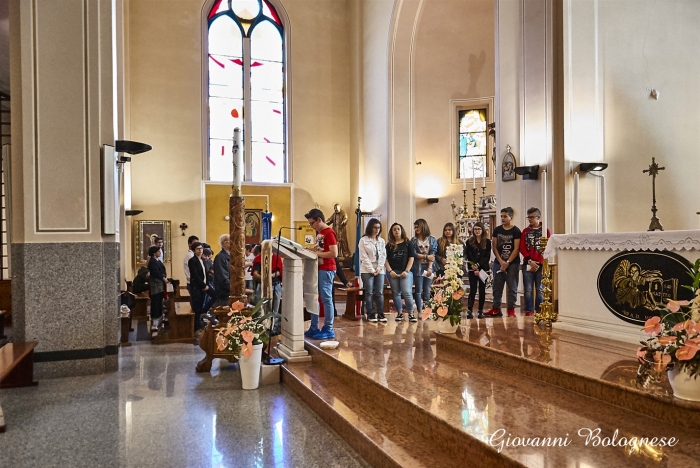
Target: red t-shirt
column 324, row 239
column 275, row 260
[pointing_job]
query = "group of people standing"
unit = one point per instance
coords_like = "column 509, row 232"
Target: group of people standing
column 411, row 265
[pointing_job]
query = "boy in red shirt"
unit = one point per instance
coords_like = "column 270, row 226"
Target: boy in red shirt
column 327, row 250
column 532, row 260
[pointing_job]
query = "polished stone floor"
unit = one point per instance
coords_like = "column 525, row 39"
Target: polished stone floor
column 157, row 412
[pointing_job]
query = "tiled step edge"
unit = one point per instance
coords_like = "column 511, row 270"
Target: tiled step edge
column 449, row 438
column 365, row 428
column 676, row 412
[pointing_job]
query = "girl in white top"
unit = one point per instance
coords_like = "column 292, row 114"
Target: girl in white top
column 372, row 258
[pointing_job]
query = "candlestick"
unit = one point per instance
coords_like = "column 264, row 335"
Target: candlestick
column 544, row 203
column 237, row 162
column 475, row 214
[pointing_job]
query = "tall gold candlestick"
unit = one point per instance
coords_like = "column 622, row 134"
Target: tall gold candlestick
column 546, row 313
column 475, row 213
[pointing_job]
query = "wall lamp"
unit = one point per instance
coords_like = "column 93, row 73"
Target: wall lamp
column 130, row 147
column 432, row 201
column 528, row 172
column 588, row 167
column 133, row 212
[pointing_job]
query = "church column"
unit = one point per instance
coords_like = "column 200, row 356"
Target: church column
column 65, row 280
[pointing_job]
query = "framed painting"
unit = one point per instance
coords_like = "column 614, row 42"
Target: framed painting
column 306, row 236
column 508, row 166
column 253, row 226
column 145, row 234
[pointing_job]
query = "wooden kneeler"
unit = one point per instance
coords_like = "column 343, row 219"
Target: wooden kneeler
column 16, row 368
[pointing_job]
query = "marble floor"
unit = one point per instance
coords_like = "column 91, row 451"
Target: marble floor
column 157, row 412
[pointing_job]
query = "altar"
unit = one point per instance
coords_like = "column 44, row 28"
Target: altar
column 609, row 284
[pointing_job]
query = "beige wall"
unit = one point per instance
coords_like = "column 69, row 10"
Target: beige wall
column 617, row 51
column 165, row 107
column 452, row 59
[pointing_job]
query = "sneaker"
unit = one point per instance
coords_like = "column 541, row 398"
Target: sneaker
column 399, row 317
column 311, row 332
column 528, row 313
column 480, row 315
column 324, row 334
column 470, row 315
column 511, row 312
column 372, row 318
column 382, row 318
column 494, row 313
column 412, row 318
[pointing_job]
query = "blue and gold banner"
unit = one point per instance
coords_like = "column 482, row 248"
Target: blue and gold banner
column 266, row 226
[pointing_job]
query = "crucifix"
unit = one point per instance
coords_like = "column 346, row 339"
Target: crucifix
column 653, row 172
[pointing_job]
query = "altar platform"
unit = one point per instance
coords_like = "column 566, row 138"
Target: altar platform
column 402, row 395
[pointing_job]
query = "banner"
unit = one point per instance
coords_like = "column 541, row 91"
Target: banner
column 266, row 226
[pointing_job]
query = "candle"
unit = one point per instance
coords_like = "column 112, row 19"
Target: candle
column 464, row 183
column 237, row 160
column 483, row 179
column 473, row 174
column 576, row 203
column 544, row 203
column 603, row 211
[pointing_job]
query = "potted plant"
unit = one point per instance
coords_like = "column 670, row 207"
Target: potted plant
column 446, row 304
column 674, row 343
column 244, row 336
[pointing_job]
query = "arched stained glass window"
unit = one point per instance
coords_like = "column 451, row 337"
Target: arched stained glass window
column 246, row 89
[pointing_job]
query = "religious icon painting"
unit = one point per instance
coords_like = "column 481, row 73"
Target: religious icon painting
column 253, row 226
column 145, row 235
column 508, row 166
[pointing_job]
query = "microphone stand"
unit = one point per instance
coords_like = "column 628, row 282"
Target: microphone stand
column 268, row 359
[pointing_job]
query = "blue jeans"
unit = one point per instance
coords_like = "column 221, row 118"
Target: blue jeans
column 509, row 277
column 422, row 287
column 530, row 279
column 325, row 293
column 401, row 287
column 374, row 289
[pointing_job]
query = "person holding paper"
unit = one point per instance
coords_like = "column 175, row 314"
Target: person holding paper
column 532, row 260
column 399, row 261
column 372, row 249
column 505, row 242
column 477, row 251
column 425, row 247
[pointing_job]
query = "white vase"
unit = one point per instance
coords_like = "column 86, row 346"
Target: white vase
column 684, row 386
column 444, row 326
column 250, row 368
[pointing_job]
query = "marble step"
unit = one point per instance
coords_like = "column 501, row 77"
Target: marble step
column 396, row 369
column 364, row 423
column 595, row 367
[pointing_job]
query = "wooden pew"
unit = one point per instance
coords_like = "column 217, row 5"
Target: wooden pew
column 17, row 365
column 3, row 338
column 180, row 328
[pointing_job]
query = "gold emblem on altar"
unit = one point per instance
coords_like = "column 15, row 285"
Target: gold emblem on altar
column 642, row 288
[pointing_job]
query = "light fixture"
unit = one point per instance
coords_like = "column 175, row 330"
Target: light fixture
column 130, row 147
column 528, row 172
column 432, row 201
column 588, row 167
column 133, row 212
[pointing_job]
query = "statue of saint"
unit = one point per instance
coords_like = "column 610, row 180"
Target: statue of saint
column 339, row 221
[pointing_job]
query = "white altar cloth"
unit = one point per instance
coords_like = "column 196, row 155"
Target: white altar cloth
column 579, row 259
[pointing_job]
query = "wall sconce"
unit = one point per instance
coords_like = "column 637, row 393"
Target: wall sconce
column 528, row 172
column 130, row 147
column 588, row 167
column 133, row 212
column 432, row 201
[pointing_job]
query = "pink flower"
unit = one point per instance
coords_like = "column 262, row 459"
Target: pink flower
column 686, row 326
column 426, row 313
column 652, row 326
column 693, row 342
column 439, row 298
column 661, row 361
column 221, row 342
column 247, row 350
column 667, row 340
column 238, row 305
column 686, row 353
column 247, row 336
column 457, row 295
column 442, row 311
column 675, row 306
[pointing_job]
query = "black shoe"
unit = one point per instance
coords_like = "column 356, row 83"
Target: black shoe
column 480, row 315
column 382, row 318
column 412, row 318
column 470, row 315
column 399, row 317
column 372, row 318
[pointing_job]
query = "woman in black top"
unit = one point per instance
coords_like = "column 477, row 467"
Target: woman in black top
column 399, row 260
column 448, row 238
column 477, row 251
column 157, row 280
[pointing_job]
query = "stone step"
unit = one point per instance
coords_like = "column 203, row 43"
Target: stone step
column 592, row 366
column 455, row 404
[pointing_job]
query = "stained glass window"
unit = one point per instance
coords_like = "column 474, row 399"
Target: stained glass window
column 472, row 143
column 246, row 90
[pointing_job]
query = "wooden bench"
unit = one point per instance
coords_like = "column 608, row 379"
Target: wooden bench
column 180, row 324
column 17, row 365
column 2, row 327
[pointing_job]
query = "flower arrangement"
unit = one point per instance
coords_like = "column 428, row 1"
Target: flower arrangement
column 674, row 336
column 446, row 303
column 243, row 330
